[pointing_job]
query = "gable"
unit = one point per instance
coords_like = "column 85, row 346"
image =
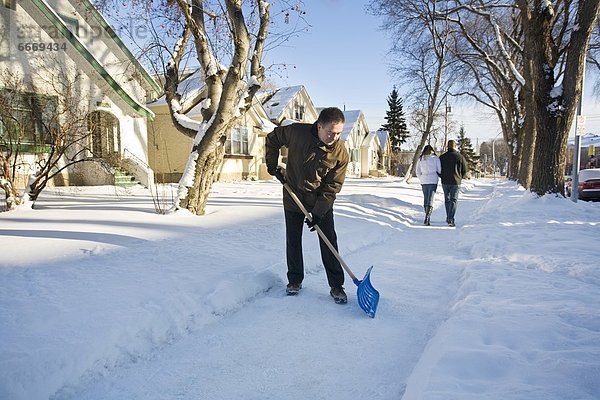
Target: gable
column 289, row 103
column 104, row 65
column 355, row 128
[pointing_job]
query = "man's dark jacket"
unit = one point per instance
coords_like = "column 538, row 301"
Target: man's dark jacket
column 454, row 167
column 315, row 171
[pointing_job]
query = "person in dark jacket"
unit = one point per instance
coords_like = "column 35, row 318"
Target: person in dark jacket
column 454, row 169
column 315, row 171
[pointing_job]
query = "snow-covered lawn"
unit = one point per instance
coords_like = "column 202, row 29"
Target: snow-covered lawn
column 102, row 298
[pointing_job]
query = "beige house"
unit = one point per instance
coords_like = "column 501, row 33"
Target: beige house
column 43, row 41
column 375, row 154
column 354, row 133
column 286, row 106
column 289, row 104
column 385, row 152
column 169, row 149
column 369, row 155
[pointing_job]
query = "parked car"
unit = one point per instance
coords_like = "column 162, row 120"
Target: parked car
column 589, row 184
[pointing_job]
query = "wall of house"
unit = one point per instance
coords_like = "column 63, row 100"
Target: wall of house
column 91, row 91
column 370, row 158
column 168, row 151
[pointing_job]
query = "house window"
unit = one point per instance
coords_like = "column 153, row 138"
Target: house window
column 27, row 118
column 237, row 141
column 12, row 4
column 299, row 112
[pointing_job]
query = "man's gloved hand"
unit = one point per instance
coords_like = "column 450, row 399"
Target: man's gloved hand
column 316, row 220
column 278, row 173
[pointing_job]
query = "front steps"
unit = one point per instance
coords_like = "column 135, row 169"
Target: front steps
column 124, row 178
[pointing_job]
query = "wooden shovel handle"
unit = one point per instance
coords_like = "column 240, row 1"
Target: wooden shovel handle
column 319, row 231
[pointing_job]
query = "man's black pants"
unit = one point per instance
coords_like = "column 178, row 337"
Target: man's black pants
column 294, row 224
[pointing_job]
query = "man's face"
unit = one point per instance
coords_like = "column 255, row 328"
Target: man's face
column 330, row 132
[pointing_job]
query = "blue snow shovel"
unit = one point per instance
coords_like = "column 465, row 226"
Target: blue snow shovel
column 368, row 296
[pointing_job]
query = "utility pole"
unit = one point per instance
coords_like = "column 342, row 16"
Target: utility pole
column 448, row 110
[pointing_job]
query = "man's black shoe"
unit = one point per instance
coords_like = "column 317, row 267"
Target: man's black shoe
column 338, row 294
column 292, row 289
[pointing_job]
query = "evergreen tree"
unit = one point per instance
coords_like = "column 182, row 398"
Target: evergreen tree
column 396, row 123
column 466, row 149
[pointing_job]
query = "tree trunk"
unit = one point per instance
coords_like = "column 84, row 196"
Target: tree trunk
column 205, row 173
column 549, row 114
column 525, row 153
column 412, row 171
column 515, row 162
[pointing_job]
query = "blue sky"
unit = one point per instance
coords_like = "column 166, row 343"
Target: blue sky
column 341, row 61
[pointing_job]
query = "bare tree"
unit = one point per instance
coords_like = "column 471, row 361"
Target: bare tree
column 542, row 46
column 44, row 132
column 226, row 39
column 490, row 78
column 525, row 60
column 421, row 58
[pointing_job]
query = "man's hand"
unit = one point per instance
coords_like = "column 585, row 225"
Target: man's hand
column 278, row 173
column 316, row 220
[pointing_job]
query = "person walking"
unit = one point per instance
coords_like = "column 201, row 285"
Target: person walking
column 454, row 169
column 428, row 171
column 315, row 171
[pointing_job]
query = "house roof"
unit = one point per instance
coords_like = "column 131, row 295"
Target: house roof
column 104, row 24
column 46, row 10
column 370, row 138
column 275, row 102
column 192, row 85
column 351, row 117
column 383, row 137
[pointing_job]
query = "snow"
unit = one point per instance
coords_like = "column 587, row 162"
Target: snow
column 102, row 298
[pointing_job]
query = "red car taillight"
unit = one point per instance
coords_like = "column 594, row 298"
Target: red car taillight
column 589, row 185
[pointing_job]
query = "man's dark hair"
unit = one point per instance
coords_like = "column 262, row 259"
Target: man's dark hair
column 451, row 144
column 331, row 115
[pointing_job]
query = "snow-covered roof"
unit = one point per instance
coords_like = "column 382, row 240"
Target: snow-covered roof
column 275, row 103
column 192, row 85
column 351, row 117
column 369, row 139
column 189, row 87
column 383, row 138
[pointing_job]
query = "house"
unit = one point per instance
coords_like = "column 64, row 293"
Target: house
column 46, row 43
column 375, row 154
column 169, row 149
column 385, row 152
column 285, row 106
column 369, row 155
column 354, row 133
column 289, row 104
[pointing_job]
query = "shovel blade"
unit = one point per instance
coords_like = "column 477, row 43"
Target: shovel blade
column 368, row 296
